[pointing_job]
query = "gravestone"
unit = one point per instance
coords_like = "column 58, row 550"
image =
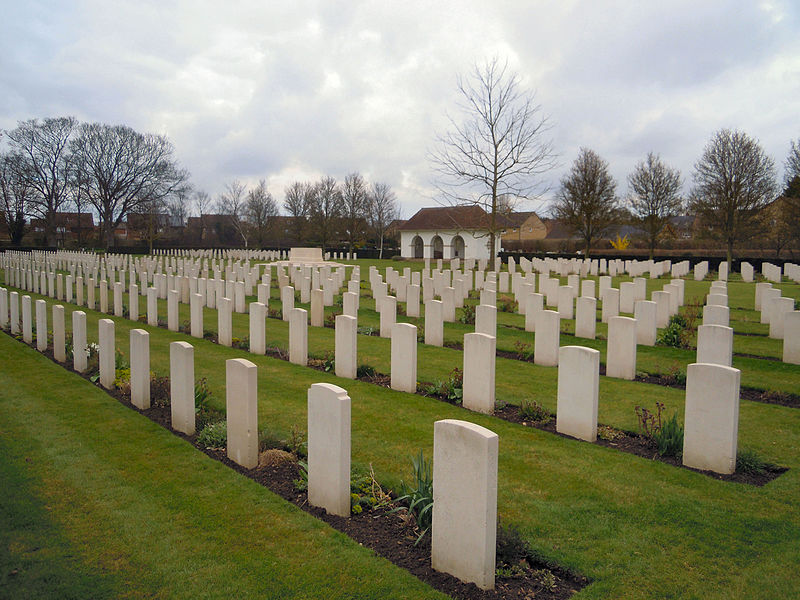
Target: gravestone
column 224, row 321
column 258, row 333
column 196, row 314
column 714, row 344
column 621, row 348
column 59, row 334
column 140, row 368
column 329, row 448
column 791, row 338
column 404, row 357
column 586, row 318
column 434, row 323
column 80, row 349
column 181, row 386
column 644, row 311
column 298, row 336
column 107, row 353
column 41, row 325
column 486, row 319
column 241, row 409
column 546, row 340
column 578, row 387
column 345, row 352
column 479, row 372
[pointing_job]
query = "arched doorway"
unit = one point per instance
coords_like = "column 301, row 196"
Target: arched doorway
column 438, row 247
column 458, row 247
column 418, row 247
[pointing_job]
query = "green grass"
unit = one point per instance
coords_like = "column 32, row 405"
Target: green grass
column 636, row 527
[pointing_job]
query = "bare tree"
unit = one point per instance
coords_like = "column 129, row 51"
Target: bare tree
column 354, row 208
column 790, row 213
column 78, row 198
column 586, row 202
column 260, row 208
column 42, row 162
column 655, row 196
column 325, row 209
column 178, row 205
column 382, row 210
column 15, row 196
column 123, row 170
column 498, row 149
column 231, row 204
column 734, row 180
column 202, row 202
column 298, row 198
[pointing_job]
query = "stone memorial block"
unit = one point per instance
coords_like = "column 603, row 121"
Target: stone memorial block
column 103, row 296
column 196, row 315
column 586, row 318
column 263, row 292
column 13, row 308
column 717, row 300
column 434, row 323
column 172, row 310
column 388, row 316
column 133, row 301
column 224, row 321
column 578, row 389
column 41, row 325
column 152, row 306
column 711, row 421
column 486, row 319
column 778, row 309
column 760, row 287
column 644, row 311
column 118, row 290
column 479, row 372
column 258, row 332
column 448, row 304
column 546, row 340
column 329, row 448
column 627, row 296
column 80, row 349
column 349, row 305
column 298, row 336
column 181, row 386
column 464, row 530
column 59, row 334
column 610, row 306
column 287, row 301
column 241, row 408
column 27, row 320
column 412, row 300
column 791, row 338
column 662, row 308
column 317, row 308
column 404, row 358
column 715, row 314
column 715, row 345
column 488, row 297
column 140, row 368
column 345, row 355
column 68, row 288
column 107, row 353
column 587, row 288
column 3, row 308
column 767, row 295
column 621, row 348
column 566, row 302
column 534, row 304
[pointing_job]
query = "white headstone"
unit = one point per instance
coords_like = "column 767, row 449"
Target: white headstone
column 404, row 357
column 329, row 448
column 241, row 407
column 181, row 387
column 578, row 386
column 479, row 372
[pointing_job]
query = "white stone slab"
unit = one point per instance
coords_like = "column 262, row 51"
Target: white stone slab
column 329, row 448
column 241, row 407
column 578, row 389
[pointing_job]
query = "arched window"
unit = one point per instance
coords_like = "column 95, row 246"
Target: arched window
column 438, row 247
column 418, row 247
column 458, row 247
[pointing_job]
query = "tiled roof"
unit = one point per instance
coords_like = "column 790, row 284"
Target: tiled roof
column 450, row 217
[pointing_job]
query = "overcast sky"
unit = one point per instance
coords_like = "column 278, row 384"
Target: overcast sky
column 294, row 90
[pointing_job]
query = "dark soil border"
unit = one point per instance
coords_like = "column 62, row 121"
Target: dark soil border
column 388, row 534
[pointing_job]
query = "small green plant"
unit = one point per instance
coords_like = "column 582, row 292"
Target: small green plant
column 301, row 483
column 328, row 363
column 365, row 371
column 365, row 331
column 530, row 410
column 418, row 496
column 214, row 435
column 524, row 350
column 669, row 438
column 675, row 376
column 608, row 433
column 202, row 404
column 511, row 546
column 467, row 315
column 678, row 333
column 750, row 462
column 649, row 422
column 367, row 494
column 506, row 304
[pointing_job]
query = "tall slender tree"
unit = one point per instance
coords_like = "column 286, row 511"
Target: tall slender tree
column 354, row 208
column 499, row 148
column 326, row 209
column 586, row 202
column 382, row 210
column 15, row 196
column 42, row 162
column 734, row 180
column 655, row 196
column 298, row 197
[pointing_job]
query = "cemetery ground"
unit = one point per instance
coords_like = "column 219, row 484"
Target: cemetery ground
column 111, row 503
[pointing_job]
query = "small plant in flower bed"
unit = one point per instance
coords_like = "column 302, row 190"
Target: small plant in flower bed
column 667, row 436
column 514, row 558
column 214, row 435
column 122, row 381
column 240, row 343
column 365, row 331
column 367, row 494
column 675, row 376
column 416, row 498
column 507, row 304
column 274, row 313
column 210, row 335
column 365, row 371
column 159, row 390
column 420, row 334
column 467, row 315
column 524, row 350
column 452, row 389
column 186, row 327
column 330, row 320
column 608, row 433
column 750, row 462
column 532, row 411
column 202, row 404
column 678, row 333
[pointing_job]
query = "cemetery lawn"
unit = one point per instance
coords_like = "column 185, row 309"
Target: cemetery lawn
column 637, row 528
column 99, row 502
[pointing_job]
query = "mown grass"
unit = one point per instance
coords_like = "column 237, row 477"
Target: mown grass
column 638, row 528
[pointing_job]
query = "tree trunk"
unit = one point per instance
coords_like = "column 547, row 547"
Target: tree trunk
column 730, row 254
column 380, row 252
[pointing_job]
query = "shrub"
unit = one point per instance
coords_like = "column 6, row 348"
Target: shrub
column 609, row 434
column 678, row 333
column 365, row 371
column 202, row 404
column 506, row 304
column 524, row 350
column 214, row 435
column 159, row 390
column 748, row 461
column 511, row 546
column 366, row 493
column 669, row 438
column 467, row 315
column 418, row 497
column 530, row 410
